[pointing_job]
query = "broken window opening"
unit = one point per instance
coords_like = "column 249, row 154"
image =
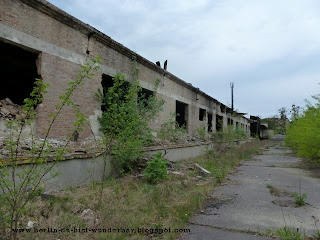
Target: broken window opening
column 230, row 121
column 108, row 82
column 237, row 124
column 209, row 122
column 19, row 71
column 202, row 114
column 144, row 96
column 222, row 109
column 181, row 114
column 219, row 122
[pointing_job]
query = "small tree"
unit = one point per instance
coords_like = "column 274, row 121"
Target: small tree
column 170, row 130
column 20, row 185
column 283, row 119
column 156, row 169
column 226, row 138
column 125, row 121
column 295, row 112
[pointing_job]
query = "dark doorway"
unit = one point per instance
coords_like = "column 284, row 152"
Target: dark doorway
column 202, row 114
column 144, row 95
column 219, row 123
column 181, row 114
column 209, row 122
column 108, row 82
column 18, row 72
column 254, row 126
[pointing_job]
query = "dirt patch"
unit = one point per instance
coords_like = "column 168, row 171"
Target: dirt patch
column 314, row 169
column 284, row 203
column 9, row 110
column 217, row 202
column 279, row 192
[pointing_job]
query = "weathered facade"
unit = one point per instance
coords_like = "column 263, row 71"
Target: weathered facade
column 39, row 40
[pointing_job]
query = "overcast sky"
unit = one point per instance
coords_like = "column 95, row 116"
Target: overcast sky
column 270, row 49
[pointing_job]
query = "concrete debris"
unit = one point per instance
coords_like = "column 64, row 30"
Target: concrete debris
column 201, row 169
column 30, row 224
column 86, row 212
column 50, row 194
column 9, row 110
column 184, row 139
column 139, row 176
column 88, row 146
column 177, row 173
column 89, row 216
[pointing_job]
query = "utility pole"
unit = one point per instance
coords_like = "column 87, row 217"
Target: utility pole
column 231, row 85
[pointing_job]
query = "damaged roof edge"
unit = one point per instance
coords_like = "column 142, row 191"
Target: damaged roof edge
column 65, row 18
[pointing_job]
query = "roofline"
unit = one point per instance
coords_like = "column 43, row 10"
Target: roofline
column 67, row 19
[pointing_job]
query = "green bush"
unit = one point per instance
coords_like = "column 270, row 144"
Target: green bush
column 170, row 130
column 300, row 199
column 201, row 131
column 125, row 122
column 286, row 233
column 156, row 169
column 226, row 138
column 303, row 134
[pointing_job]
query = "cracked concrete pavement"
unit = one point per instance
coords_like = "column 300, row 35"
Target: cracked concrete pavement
column 244, row 207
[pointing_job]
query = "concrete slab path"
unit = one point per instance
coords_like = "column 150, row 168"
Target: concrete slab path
column 244, row 206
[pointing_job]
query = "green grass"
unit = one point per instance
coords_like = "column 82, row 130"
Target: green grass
column 300, row 199
column 277, row 191
column 316, row 236
column 273, row 190
column 287, row 233
column 131, row 202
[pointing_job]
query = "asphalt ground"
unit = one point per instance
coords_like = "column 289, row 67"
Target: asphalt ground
column 243, row 207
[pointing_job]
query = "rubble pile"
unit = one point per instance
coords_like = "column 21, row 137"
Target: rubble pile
column 9, row 110
column 12, row 111
column 184, row 139
column 88, row 146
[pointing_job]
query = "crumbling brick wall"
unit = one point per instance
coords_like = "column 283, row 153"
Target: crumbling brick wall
column 64, row 43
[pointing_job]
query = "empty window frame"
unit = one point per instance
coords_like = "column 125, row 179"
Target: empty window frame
column 108, row 82
column 18, row 72
column 202, row 114
column 222, row 109
column 209, row 122
column 219, row 123
column 230, row 121
column 181, row 113
column 144, row 95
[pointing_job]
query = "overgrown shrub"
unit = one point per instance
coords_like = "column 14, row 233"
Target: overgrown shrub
column 170, row 130
column 156, row 169
column 287, row 233
column 300, row 199
column 227, row 137
column 303, row 133
column 125, row 122
column 21, row 184
column 201, row 131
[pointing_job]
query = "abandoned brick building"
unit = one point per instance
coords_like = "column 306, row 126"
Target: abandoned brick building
column 39, row 40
